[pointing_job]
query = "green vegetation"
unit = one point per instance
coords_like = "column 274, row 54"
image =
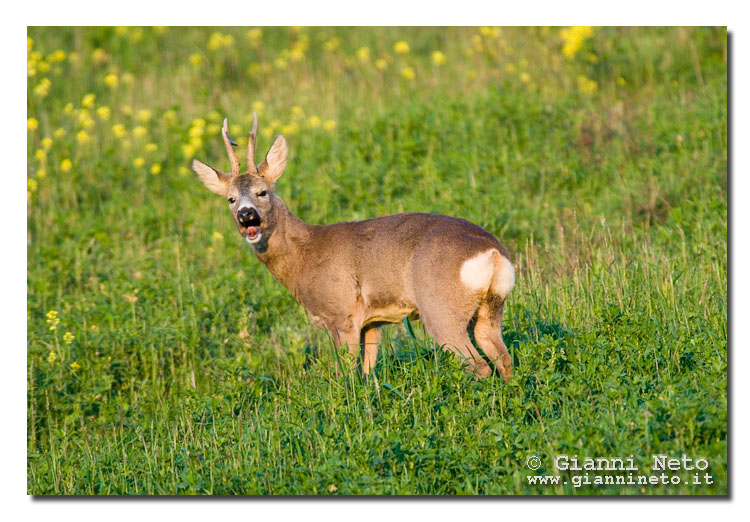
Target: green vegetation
column 164, row 359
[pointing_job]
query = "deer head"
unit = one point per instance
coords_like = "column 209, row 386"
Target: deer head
column 250, row 193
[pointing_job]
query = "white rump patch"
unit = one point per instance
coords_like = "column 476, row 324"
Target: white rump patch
column 476, row 272
column 505, row 277
column 488, row 270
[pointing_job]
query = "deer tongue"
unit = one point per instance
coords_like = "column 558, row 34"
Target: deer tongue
column 252, row 232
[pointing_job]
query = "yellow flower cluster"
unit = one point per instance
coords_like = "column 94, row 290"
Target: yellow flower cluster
column 574, row 38
column 490, row 32
column 219, row 41
column 68, row 338
column 401, row 47
column 42, row 88
column 255, row 36
column 52, row 320
column 586, row 85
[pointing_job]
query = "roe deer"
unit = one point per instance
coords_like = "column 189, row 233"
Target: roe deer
column 353, row 277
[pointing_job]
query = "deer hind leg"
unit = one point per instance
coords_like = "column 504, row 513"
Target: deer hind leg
column 488, row 334
column 369, row 338
column 450, row 332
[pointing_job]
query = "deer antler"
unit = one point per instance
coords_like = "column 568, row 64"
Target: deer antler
column 228, row 142
column 251, row 145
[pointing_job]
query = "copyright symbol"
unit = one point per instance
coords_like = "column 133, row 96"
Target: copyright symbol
column 533, row 462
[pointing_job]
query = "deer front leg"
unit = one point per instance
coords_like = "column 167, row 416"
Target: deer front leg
column 369, row 348
column 346, row 337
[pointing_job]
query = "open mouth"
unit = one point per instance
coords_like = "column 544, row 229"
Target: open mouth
column 251, row 228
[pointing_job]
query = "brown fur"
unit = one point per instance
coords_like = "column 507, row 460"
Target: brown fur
column 352, row 277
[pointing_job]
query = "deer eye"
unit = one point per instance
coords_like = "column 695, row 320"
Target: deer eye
column 262, row 194
column 231, row 201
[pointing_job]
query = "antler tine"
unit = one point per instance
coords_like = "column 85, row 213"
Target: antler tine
column 251, row 144
column 230, row 151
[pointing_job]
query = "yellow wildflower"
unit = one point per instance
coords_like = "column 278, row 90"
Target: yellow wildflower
column 297, row 112
column 401, row 47
column 51, row 357
column 407, row 73
column 42, row 88
column 329, row 125
column 31, row 185
column 144, row 115
column 585, row 85
column 118, row 129
column 111, row 80
column 169, row 116
column 188, row 150
column 40, row 155
column 103, row 113
column 32, row 124
column 52, row 320
column 331, row 45
column 68, row 338
column 139, row 162
column 99, row 56
column 255, row 35
column 155, row 168
column 59, row 133
column 47, row 143
column 258, row 106
column 82, row 137
column 490, row 32
column 68, row 109
column 151, row 147
column 220, row 41
column 195, row 59
column 280, row 63
column 57, row 56
column 75, row 366
column 217, row 236
column 438, row 58
column 525, row 77
column 196, row 142
column 574, row 38
column 290, row 129
column 29, row 44
column 41, row 174
column 313, row 122
column 88, row 100
column 66, row 165
column 363, row 54
column 139, row 131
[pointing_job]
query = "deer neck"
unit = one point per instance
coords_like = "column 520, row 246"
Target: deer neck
column 282, row 253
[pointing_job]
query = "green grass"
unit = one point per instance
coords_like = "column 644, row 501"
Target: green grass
column 192, row 371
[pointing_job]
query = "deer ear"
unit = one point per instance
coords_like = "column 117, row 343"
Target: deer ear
column 275, row 162
column 216, row 181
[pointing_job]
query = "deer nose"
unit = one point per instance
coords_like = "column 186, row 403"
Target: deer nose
column 247, row 214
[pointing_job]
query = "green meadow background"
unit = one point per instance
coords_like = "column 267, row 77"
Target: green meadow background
column 163, row 358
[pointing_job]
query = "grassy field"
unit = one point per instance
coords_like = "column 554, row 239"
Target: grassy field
column 163, row 358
